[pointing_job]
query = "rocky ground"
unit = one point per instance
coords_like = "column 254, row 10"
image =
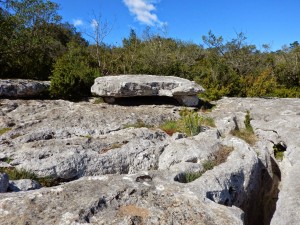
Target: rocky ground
column 117, row 167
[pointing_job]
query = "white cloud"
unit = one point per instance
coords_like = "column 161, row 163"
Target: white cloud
column 77, row 22
column 94, row 23
column 143, row 11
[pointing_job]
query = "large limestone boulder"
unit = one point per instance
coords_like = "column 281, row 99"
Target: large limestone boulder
column 19, row 88
column 111, row 87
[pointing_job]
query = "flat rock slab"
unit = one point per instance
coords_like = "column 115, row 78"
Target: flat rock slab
column 19, row 88
column 111, row 87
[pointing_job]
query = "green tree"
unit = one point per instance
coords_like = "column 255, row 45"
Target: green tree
column 73, row 73
column 33, row 38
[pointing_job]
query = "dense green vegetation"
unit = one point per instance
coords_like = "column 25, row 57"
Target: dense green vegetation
column 35, row 44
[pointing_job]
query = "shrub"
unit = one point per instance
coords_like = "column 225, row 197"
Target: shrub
column 189, row 123
column 73, row 74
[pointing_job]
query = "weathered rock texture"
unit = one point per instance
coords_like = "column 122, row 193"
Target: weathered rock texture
column 274, row 121
column 81, row 140
column 127, row 199
column 23, row 88
column 23, row 185
column 121, row 86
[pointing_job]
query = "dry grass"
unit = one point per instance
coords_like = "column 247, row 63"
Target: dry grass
column 112, row 146
column 133, row 210
column 4, row 130
column 246, row 135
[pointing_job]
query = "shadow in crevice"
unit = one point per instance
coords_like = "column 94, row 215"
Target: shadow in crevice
column 158, row 100
column 146, row 100
column 262, row 205
column 258, row 201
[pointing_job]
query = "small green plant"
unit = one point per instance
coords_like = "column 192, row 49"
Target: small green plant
column 139, row 123
column 246, row 134
column 4, row 130
column 279, row 150
column 247, row 123
column 191, row 124
column 98, row 100
column 207, row 121
column 16, row 174
column 191, row 176
column 208, row 165
column 170, row 127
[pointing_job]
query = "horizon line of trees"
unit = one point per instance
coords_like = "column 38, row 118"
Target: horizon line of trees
column 35, row 44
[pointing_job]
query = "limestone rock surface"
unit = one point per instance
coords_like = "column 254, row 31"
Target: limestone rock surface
column 121, row 86
column 274, row 121
column 23, row 185
column 69, row 140
column 19, row 88
column 84, row 140
column 115, row 199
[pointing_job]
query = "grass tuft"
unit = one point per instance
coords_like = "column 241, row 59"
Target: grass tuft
column 4, row 130
column 18, row 174
column 246, row 134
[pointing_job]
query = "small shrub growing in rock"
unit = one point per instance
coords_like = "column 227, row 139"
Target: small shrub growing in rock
column 247, row 123
column 279, row 150
column 191, row 176
column 246, row 134
column 170, row 127
column 16, row 174
column 189, row 123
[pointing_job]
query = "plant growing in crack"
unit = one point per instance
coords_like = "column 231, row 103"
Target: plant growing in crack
column 216, row 159
column 246, row 134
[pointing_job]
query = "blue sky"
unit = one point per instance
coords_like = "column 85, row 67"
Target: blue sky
column 274, row 22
